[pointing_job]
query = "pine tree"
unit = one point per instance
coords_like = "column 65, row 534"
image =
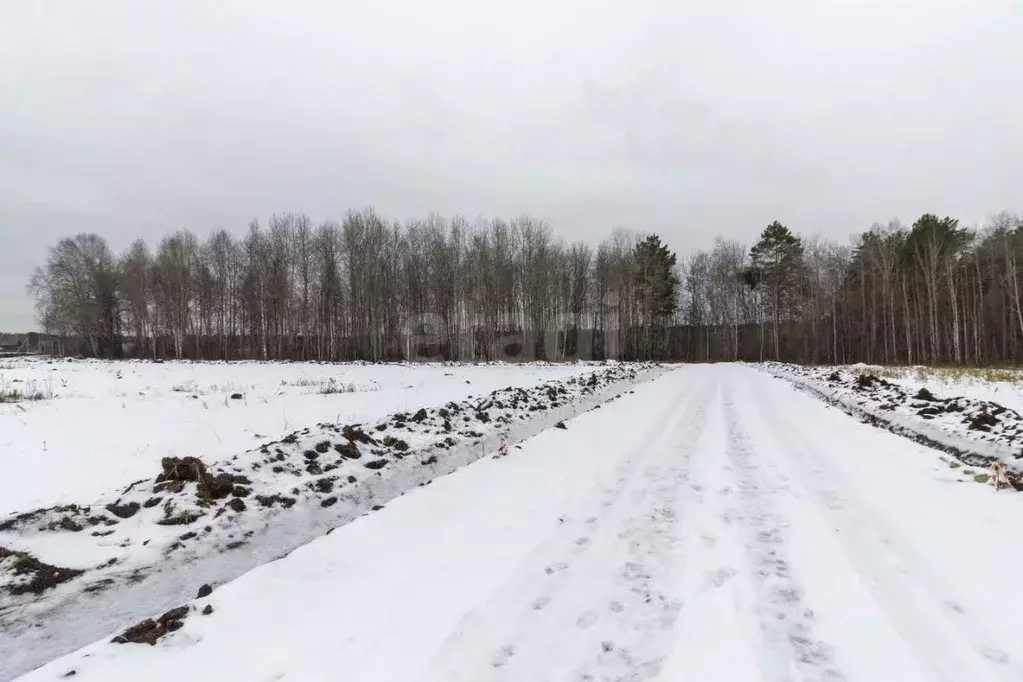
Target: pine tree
column 777, row 266
column 656, row 286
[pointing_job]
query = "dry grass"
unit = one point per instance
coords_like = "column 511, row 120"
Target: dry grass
column 951, row 374
column 328, row 386
column 30, row 391
column 186, row 387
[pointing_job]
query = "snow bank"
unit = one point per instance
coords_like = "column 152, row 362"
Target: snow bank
column 978, row 432
column 1004, row 387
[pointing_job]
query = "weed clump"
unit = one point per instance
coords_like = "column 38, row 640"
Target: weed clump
column 396, row 443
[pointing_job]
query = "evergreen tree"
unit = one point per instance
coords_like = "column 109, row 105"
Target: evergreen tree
column 656, row 286
column 777, row 267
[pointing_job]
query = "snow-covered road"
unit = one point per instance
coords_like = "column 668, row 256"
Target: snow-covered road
column 714, row 525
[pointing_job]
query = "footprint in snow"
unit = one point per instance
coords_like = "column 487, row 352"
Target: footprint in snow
column 540, row 603
column 671, row 610
column 506, row 652
column 721, row 576
column 586, row 620
column 996, row 656
column 556, row 568
column 582, row 541
column 633, row 571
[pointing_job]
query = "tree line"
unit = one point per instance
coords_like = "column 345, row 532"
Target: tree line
column 363, row 288
column 360, row 289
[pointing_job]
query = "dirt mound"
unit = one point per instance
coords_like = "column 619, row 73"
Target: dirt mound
column 866, row 380
column 220, row 486
column 149, row 630
column 123, row 511
column 183, row 469
column 983, row 421
column 41, row 576
column 182, row 519
column 271, row 500
column 357, row 435
column 180, row 470
column 348, row 450
column 22, row 519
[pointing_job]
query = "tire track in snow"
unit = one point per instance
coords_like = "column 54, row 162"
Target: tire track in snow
column 635, row 639
column 926, row 610
column 596, row 599
column 790, row 649
column 717, row 635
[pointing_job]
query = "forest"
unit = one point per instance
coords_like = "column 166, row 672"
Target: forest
column 363, row 288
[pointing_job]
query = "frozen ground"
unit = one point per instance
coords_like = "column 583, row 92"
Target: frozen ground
column 717, row 525
column 109, row 424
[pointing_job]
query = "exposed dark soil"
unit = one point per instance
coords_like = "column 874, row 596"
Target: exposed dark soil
column 150, row 631
column 123, row 511
column 43, row 576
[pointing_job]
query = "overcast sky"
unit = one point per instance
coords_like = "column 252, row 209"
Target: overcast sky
column 689, row 118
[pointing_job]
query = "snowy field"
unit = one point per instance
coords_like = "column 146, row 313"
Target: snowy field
column 716, row 524
column 72, row 572
column 103, row 425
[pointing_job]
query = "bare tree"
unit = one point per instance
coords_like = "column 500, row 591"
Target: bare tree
column 365, row 288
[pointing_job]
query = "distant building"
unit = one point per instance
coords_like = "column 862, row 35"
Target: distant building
column 31, row 343
column 8, row 346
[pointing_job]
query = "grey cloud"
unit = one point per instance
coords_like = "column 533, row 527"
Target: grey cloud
column 132, row 119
